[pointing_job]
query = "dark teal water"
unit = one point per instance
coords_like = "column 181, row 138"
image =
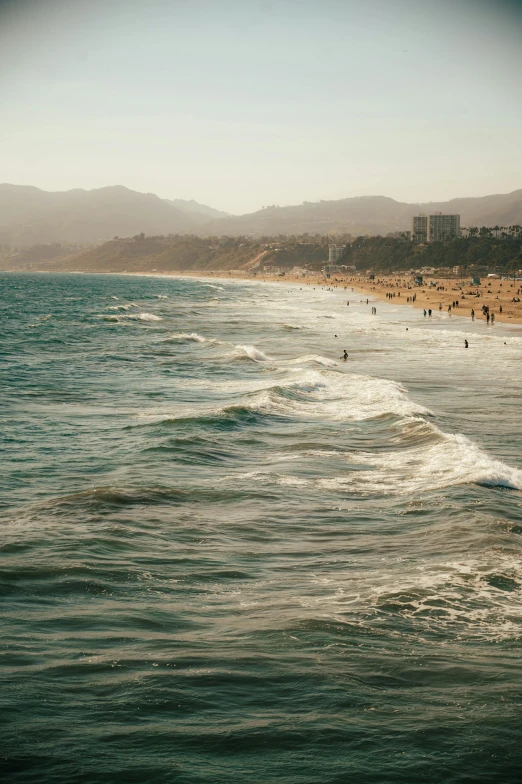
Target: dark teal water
column 228, row 556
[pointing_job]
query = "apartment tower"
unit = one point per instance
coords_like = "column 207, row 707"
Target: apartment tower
column 435, row 227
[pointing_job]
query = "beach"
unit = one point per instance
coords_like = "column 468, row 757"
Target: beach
column 494, row 293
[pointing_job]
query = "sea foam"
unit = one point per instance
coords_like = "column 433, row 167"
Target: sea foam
column 186, row 336
column 251, row 352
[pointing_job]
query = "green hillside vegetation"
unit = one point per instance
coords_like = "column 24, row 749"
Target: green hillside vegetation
column 166, row 254
column 485, row 250
column 292, row 252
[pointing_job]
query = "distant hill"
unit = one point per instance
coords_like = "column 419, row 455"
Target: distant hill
column 39, row 257
column 198, row 212
column 30, row 216
column 366, row 215
column 181, row 253
column 148, row 254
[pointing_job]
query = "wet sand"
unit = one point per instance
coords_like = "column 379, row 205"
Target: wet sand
column 494, row 293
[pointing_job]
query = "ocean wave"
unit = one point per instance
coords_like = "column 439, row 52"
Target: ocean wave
column 126, row 317
column 113, row 496
column 220, row 418
column 251, row 352
column 316, row 358
column 123, row 307
column 185, row 336
column 450, row 460
column 477, row 598
column 145, row 317
column 313, row 395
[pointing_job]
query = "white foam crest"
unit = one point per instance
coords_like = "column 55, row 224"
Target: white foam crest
column 334, row 397
column 450, row 460
column 187, row 336
column 122, row 307
column 145, row 317
column 251, row 352
column 317, row 358
column 358, row 397
column 313, row 394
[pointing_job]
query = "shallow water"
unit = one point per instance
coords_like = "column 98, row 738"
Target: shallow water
column 229, row 556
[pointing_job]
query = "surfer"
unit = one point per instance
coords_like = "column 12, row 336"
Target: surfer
column 344, row 356
column 466, row 344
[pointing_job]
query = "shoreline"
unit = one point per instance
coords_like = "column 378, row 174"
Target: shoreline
column 377, row 290
column 494, row 293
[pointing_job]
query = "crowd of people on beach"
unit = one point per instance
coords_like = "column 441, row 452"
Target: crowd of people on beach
column 486, row 311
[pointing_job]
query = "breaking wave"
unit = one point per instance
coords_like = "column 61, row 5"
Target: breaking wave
column 251, row 352
column 427, row 460
column 316, row 358
column 146, row 317
column 181, row 336
column 314, row 395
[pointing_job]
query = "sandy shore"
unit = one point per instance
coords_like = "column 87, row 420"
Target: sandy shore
column 497, row 294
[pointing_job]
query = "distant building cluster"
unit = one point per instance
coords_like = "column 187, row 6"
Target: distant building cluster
column 434, row 228
column 335, row 253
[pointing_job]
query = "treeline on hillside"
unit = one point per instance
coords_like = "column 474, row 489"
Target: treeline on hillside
column 191, row 252
column 163, row 254
column 486, row 250
column 481, row 252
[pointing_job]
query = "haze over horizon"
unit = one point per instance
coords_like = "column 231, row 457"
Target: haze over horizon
column 241, row 105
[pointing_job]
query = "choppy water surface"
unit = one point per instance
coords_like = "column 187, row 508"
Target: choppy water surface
column 229, row 556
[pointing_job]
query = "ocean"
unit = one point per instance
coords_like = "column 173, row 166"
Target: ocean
column 227, row 555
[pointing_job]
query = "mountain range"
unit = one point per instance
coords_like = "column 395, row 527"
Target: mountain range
column 30, row 216
column 367, row 215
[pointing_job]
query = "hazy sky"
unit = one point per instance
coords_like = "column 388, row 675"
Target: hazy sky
column 244, row 103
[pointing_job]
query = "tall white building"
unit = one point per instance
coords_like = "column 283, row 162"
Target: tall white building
column 435, row 228
column 443, row 227
column 335, row 253
column 419, row 228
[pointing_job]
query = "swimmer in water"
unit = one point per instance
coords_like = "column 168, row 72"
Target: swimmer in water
column 344, row 356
